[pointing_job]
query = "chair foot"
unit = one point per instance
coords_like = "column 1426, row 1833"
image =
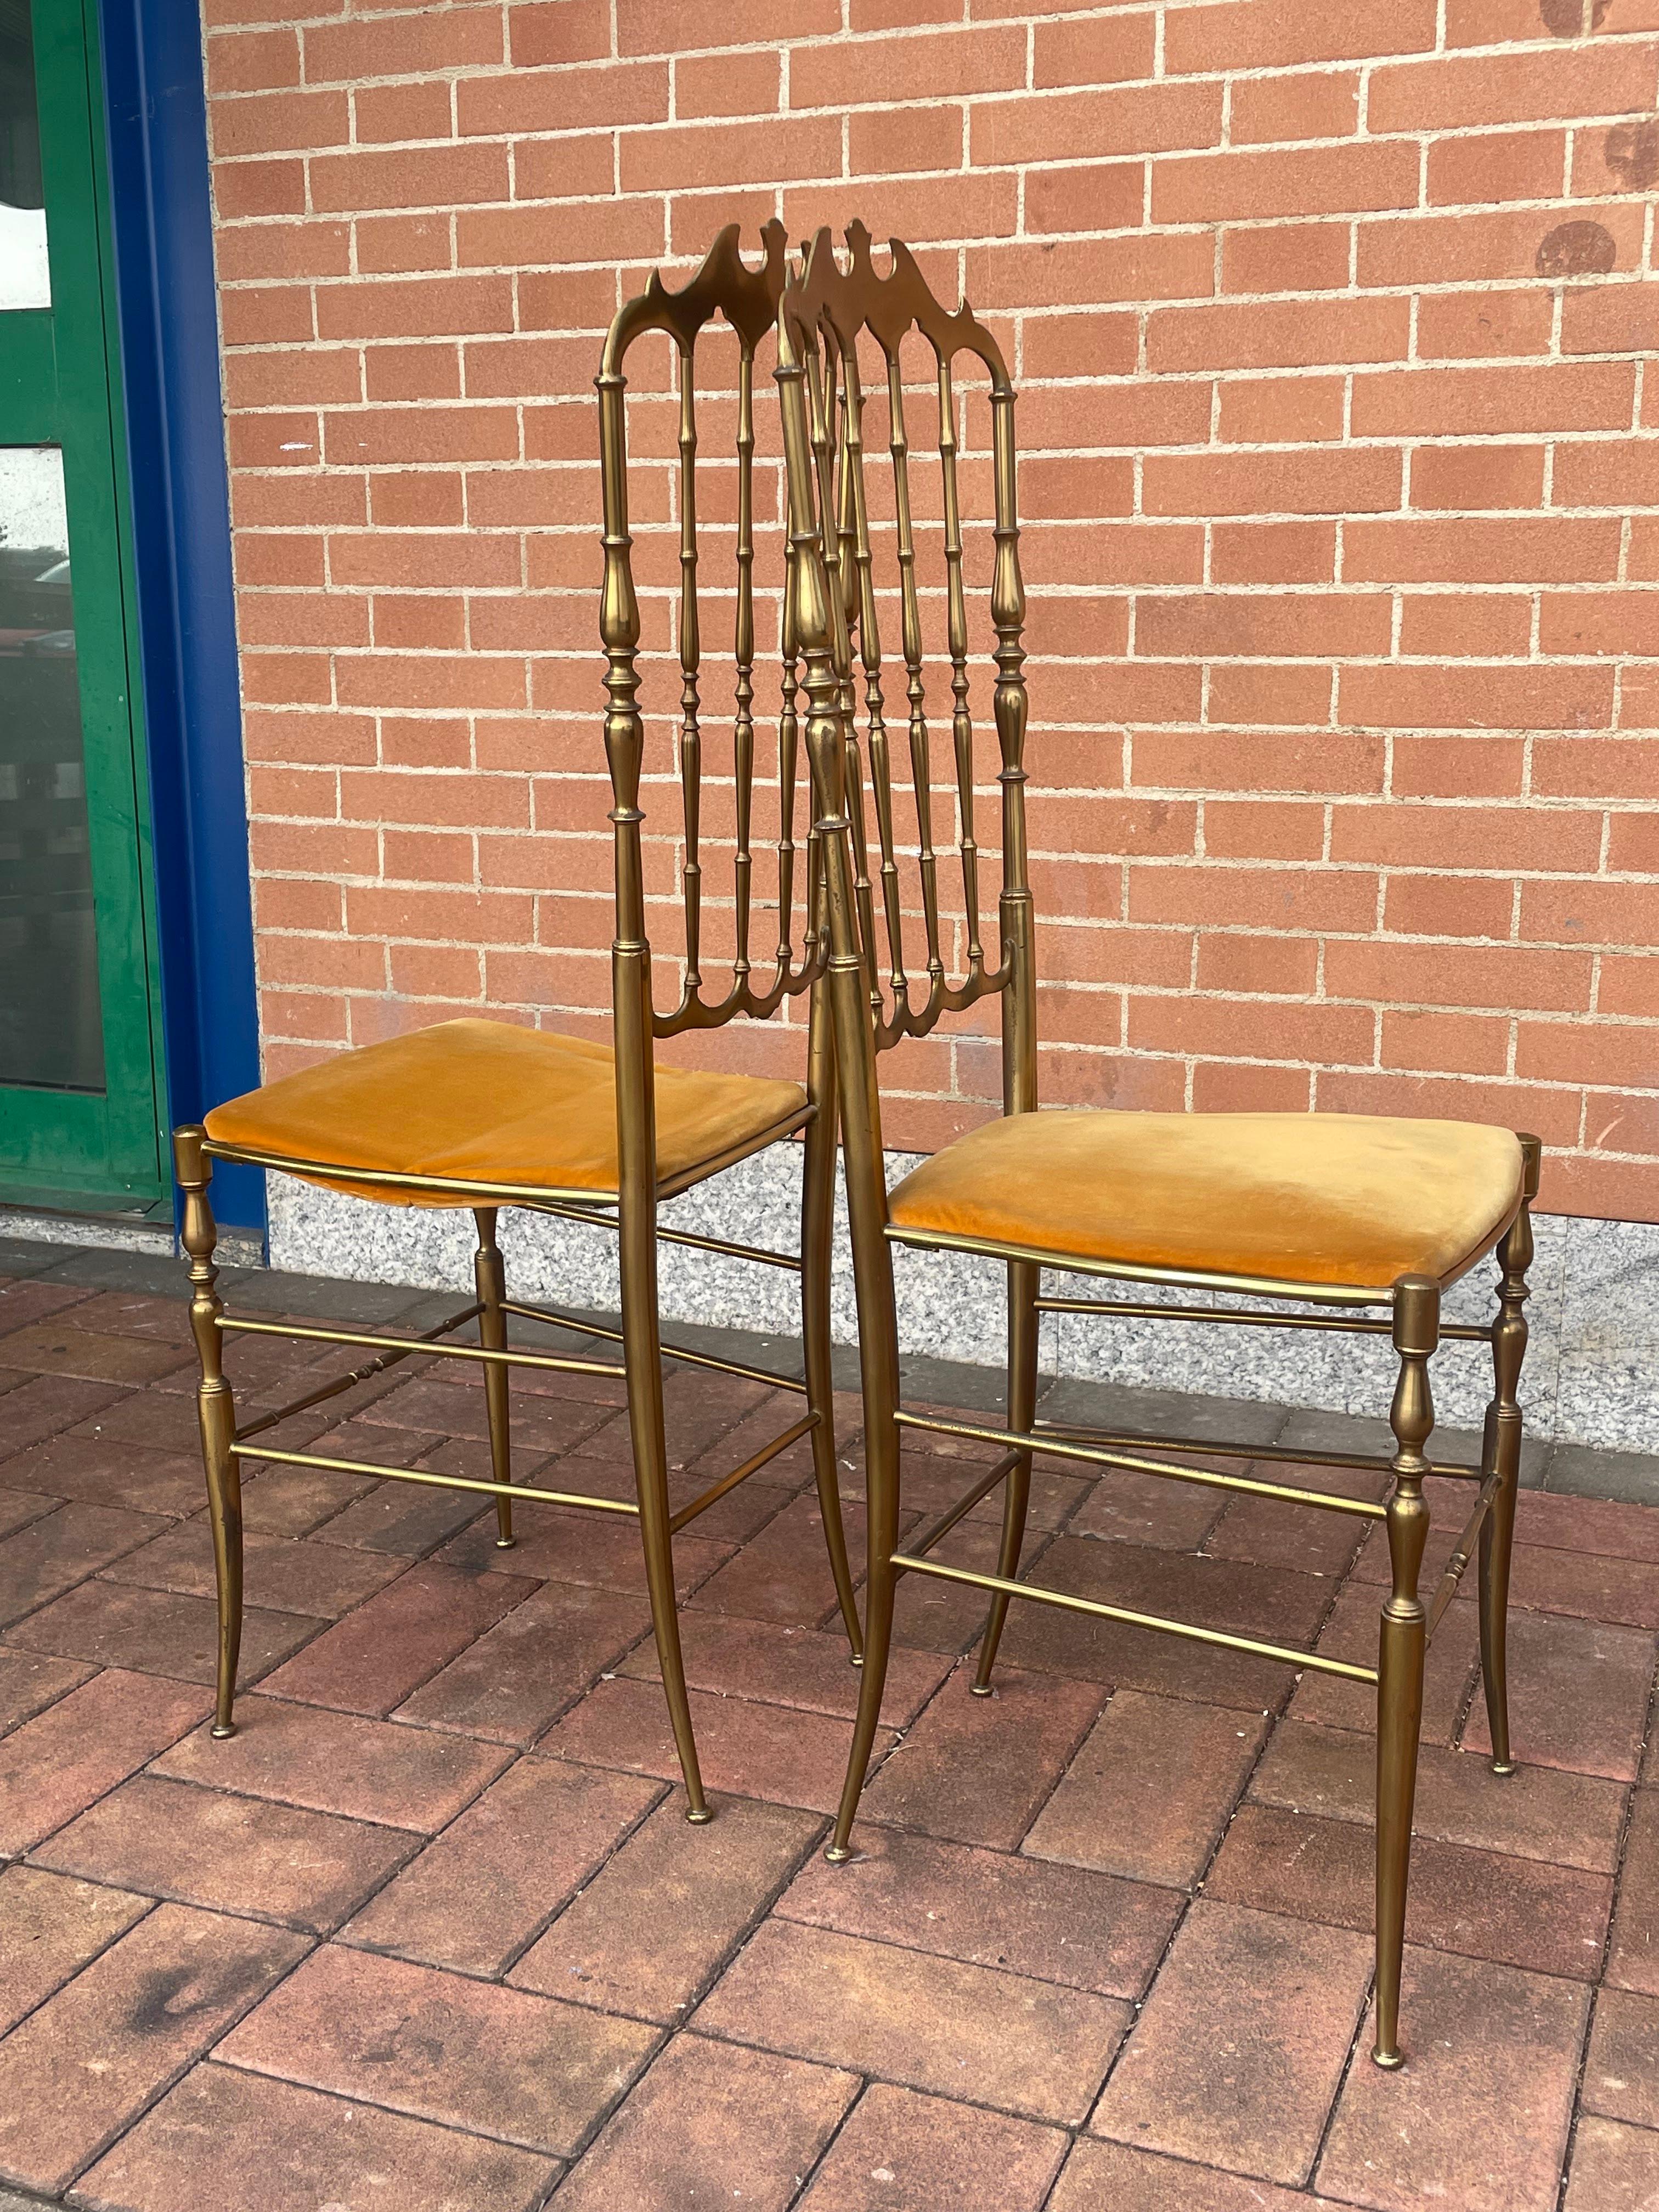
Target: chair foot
column 981, row 1689
column 837, row 1854
column 700, row 1816
column 221, row 1729
column 1390, row 2061
column 1503, row 1766
column 506, row 1543
column 857, row 1659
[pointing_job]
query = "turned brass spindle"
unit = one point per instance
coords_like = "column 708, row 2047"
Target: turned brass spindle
column 788, row 762
column 821, row 384
column 961, row 727
column 690, row 733
column 1014, row 907
column 743, row 732
column 916, row 682
column 881, row 776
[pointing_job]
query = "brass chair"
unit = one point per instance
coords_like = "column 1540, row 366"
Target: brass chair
column 1343, row 1215
column 485, row 1114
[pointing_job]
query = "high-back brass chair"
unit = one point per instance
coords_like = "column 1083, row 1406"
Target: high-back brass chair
column 1367, row 1221
column 485, row 1114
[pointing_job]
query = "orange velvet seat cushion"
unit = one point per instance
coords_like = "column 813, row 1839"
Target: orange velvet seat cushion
column 1292, row 1198
column 490, row 1102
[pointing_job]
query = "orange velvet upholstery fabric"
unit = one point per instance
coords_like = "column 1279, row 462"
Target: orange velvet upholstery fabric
column 1335, row 1199
column 490, row 1102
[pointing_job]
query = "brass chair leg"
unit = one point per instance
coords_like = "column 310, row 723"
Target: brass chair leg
column 1015, row 1497
column 489, row 1274
column 817, row 1232
column 216, row 1412
column 643, row 1358
column 1501, row 1455
column 1403, row 1642
column 881, row 1455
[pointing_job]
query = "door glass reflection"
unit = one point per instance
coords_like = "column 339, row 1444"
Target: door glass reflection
column 51, row 1030
column 25, row 281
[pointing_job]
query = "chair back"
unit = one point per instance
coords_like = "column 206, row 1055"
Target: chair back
column 679, row 479
column 826, row 310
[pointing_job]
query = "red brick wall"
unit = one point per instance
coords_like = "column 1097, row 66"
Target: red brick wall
column 1341, row 504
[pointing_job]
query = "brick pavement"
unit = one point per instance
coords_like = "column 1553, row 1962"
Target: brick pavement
column 430, row 1933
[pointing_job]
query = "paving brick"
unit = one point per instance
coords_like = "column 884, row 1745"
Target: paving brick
column 50, row 1928
column 649, row 1931
column 1619, row 2081
column 1240, row 2048
column 1231, row 1594
column 1579, row 1695
column 278, row 1575
column 1150, row 1791
column 1066, row 1924
column 511, row 1685
column 571, row 1546
column 374, row 1658
column 747, row 1749
column 80, row 2069
column 977, row 1769
column 1521, row 1912
column 1614, row 2168
column 997, row 2038
column 231, row 1853
column 44, row 1404
column 898, row 2147
column 1479, row 2039
column 443, row 2047
column 60, row 1549
column 330, row 1762
column 209, row 2142
column 293, row 1501
column 157, row 1632
column 58, row 1763
column 99, row 1472
column 29, row 1680
column 1101, row 2174
column 58, row 1347
column 1351, row 1633
column 783, row 1574
column 1633, row 1962
column 1535, row 1813
column 475, row 1896
column 711, row 2123
column 19, row 1507
column 783, row 1666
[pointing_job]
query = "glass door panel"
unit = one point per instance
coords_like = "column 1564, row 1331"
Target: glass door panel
column 51, row 1022
column 25, row 273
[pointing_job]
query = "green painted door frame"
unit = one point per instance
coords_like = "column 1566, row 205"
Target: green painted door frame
column 60, row 385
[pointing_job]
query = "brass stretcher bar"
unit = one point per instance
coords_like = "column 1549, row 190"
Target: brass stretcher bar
column 402, row 1346
column 999, row 1472
column 1364, row 1325
column 512, row 1490
column 755, row 1459
column 1365, row 1509
column 1461, row 1552
column 910, row 1562
column 1377, row 1462
column 557, row 1320
column 358, row 1374
column 754, row 1252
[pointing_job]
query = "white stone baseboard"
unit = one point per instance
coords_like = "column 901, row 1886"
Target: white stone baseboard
column 1592, row 1370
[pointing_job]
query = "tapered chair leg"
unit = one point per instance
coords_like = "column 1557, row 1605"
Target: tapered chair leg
column 1402, row 1645
column 215, row 1409
column 816, row 1231
column 1501, row 1456
column 1016, row 1493
column 490, row 1276
column 642, row 1359
column 881, row 1452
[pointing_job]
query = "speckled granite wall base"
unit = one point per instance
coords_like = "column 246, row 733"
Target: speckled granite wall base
column 1592, row 1373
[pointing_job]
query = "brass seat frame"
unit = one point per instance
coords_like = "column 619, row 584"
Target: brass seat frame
column 748, row 301
column 825, row 309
